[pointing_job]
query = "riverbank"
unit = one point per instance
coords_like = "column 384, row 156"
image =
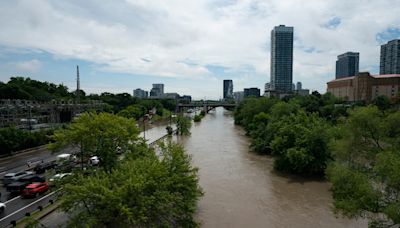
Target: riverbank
column 242, row 189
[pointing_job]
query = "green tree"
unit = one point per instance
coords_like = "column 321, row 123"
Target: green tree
column 98, row 134
column 144, row 191
column 366, row 174
column 183, row 125
column 301, row 143
column 133, row 111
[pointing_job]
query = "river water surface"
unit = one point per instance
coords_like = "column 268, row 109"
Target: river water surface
column 241, row 188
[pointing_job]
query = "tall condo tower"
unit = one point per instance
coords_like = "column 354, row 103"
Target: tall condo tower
column 390, row 57
column 228, row 89
column 281, row 59
column 347, row 64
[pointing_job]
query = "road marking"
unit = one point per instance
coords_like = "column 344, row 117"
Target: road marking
column 33, row 203
column 12, row 199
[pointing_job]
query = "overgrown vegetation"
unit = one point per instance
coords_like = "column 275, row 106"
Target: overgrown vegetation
column 183, row 125
column 13, row 139
column 356, row 146
column 144, row 189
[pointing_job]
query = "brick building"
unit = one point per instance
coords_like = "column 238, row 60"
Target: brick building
column 365, row 87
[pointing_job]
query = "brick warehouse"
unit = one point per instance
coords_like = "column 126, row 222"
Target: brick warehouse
column 365, row 87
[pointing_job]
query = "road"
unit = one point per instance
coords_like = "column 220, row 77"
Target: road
column 18, row 162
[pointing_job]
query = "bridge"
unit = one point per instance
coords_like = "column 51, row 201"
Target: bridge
column 206, row 105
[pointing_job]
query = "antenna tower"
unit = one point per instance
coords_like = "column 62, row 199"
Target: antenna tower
column 78, row 85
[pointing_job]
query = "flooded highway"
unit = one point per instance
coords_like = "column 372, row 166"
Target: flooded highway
column 241, row 188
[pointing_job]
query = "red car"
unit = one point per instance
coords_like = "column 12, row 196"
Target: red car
column 35, row 189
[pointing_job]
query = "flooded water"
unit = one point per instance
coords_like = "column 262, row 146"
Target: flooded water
column 241, row 188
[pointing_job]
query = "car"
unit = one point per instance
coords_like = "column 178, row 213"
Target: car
column 12, row 177
column 94, row 160
column 33, row 190
column 42, row 167
column 2, row 207
column 33, row 162
column 18, row 186
column 58, row 177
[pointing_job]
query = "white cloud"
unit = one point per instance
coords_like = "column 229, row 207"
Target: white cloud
column 234, row 34
column 30, row 66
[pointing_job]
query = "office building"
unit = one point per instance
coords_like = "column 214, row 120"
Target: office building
column 298, row 86
column 157, row 90
column 365, row 87
column 347, row 64
column 251, row 92
column 390, row 58
column 139, row 93
column 174, row 96
column 238, row 96
column 281, row 59
column 228, row 89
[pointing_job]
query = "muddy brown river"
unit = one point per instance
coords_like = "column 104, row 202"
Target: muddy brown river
column 241, row 188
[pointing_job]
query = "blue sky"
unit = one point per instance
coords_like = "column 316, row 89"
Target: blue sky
column 190, row 46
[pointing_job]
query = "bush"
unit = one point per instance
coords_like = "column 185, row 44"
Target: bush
column 197, row 118
column 13, row 139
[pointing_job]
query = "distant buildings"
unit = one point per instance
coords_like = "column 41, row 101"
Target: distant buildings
column 390, row 58
column 251, row 92
column 228, row 89
column 157, row 90
column 347, row 64
column 139, row 93
column 298, row 86
column 365, row 87
column 300, row 91
column 174, row 96
column 281, row 59
column 238, row 96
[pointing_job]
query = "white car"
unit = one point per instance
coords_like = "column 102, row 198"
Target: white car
column 94, row 160
column 59, row 176
column 2, row 207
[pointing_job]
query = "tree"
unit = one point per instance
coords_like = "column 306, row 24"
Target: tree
column 133, row 111
column 366, row 174
column 98, row 134
column 301, row 143
column 382, row 102
column 144, row 191
column 183, row 125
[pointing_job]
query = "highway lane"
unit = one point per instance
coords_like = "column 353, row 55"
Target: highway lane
column 18, row 163
column 14, row 202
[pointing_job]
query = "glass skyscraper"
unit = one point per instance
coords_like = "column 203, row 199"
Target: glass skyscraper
column 228, row 89
column 281, row 59
column 390, row 57
column 347, row 64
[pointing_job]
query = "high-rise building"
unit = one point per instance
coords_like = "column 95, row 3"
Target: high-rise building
column 299, row 86
column 347, row 64
column 251, row 92
column 139, row 93
column 157, row 90
column 238, row 96
column 228, row 89
column 390, row 58
column 281, row 59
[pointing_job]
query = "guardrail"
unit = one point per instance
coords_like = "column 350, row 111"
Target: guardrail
column 11, row 219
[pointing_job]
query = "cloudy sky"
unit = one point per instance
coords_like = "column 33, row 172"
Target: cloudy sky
column 190, row 46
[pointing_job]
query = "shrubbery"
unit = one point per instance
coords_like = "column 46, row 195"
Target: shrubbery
column 13, row 139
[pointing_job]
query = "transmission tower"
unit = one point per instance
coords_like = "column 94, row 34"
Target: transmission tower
column 78, row 86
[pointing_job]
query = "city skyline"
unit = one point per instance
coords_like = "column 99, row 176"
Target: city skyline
column 189, row 47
